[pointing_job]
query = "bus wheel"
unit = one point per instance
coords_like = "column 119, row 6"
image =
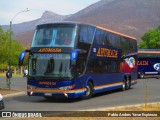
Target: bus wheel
column 141, row 74
column 89, row 91
column 126, row 84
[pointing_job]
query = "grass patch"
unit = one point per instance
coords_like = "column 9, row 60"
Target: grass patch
column 13, row 75
column 7, row 91
column 148, row 107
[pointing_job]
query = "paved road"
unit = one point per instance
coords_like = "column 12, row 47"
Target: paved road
column 136, row 95
column 17, row 83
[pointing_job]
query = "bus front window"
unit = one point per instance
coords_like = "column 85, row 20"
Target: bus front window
column 55, row 36
column 50, row 65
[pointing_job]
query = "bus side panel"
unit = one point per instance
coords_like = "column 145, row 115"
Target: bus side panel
column 102, row 82
column 106, row 82
column 149, row 66
column 107, row 70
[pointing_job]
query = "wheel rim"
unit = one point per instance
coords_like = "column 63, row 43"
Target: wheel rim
column 88, row 91
column 123, row 86
column 127, row 84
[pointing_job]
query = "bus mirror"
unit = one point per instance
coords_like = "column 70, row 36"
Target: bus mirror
column 22, row 56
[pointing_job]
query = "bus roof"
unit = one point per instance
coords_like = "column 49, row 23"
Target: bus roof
column 149, row 53
column 115, row 32
column 80, row 23
column 66, row 22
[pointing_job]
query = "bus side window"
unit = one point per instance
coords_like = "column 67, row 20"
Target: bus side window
column 86, row 34
column 102, row 38
column 81, row 64
column 83, row 34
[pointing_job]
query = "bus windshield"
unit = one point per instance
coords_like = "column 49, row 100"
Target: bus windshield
column 50, row 65
column 55, row 36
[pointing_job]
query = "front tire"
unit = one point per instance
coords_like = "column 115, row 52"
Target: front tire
column 89, row 91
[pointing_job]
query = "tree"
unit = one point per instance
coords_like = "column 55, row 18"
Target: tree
column 4, row 39
column 9, row 49
column 15, row 50
column 151, row 39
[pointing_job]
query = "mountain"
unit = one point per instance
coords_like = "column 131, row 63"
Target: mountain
column 89, row 11
column 24, row 31
column 49, row 17
column 131, row 17
column 46, row 17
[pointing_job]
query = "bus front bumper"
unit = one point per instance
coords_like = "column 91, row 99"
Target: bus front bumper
column 57, row 93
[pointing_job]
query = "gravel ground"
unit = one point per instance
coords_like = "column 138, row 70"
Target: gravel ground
column 6, row 91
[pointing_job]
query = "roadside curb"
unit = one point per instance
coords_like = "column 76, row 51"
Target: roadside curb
column 14, row 94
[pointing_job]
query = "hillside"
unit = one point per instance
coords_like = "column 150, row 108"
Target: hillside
column 46, row 17
column 131, row 17
column 24, row 31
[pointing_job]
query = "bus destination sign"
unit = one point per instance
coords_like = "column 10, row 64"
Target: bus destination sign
column 46, row 50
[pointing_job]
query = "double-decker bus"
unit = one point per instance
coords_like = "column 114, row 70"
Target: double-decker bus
column 148, row 63
column 71, row 59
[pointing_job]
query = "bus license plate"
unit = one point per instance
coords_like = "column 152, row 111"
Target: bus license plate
column 48, row 94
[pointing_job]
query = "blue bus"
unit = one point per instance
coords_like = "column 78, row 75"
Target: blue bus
column 72, row 59
column 148, row 63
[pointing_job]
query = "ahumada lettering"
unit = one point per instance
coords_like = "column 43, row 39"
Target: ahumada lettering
column 104, row 52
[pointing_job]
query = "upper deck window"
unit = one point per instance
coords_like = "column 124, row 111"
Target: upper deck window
column 86, row 34
column 55, row 36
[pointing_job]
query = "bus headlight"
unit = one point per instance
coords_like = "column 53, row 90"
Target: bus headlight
column 63, row 88
column 31, row 87
column 67, row 87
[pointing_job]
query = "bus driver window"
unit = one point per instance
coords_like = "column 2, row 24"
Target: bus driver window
column 47, row 37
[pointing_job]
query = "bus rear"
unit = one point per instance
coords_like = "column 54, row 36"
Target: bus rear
column 148, row 63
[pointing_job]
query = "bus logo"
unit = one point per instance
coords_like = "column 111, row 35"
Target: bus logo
column 47, row 83
column 131, row 62
column 156, row 66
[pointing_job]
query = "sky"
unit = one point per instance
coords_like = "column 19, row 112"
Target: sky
column 10, row 8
